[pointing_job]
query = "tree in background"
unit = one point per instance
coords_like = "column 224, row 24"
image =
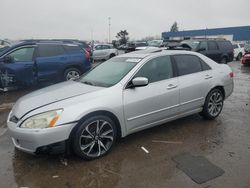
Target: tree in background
column 122, row 37
column 174, row 27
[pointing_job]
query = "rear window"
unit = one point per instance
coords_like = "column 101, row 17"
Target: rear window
column 225, row 45
column 72, row 48
column 84, row 45
column 235, row 46
column 48, row 50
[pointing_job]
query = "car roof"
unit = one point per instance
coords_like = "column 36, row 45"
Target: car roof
column 152, row 52
column 31, row 43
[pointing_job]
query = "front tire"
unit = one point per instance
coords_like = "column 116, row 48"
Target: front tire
column 213, row 104
column 94, row 137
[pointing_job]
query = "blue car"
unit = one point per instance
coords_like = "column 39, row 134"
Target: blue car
column 31, row 63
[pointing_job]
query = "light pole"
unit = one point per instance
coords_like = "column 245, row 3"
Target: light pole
column 109, row 18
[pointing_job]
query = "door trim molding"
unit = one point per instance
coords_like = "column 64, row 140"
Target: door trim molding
column 164, row 109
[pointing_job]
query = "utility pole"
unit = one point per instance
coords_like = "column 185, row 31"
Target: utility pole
column 91, row 34
column 109, row 18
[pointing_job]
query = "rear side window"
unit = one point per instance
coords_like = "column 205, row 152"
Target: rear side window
column 225, row 45
column 212, row 45
column 187, row 64
column 157, row 69
column 204, row 65
column 48, row 50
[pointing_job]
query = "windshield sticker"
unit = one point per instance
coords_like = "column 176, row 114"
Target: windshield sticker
column 133, row 60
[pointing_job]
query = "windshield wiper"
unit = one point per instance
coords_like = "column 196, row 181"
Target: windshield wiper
column 89, row 83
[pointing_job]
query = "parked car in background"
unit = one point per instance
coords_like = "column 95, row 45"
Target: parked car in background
column 220, row 51
column 4, row 44
column 132, row 46
column 247, row 48
column 123, row 95
column 104, row 52
column 156, row 43
column 31, row 63
column 246, row 59
column 238, row 50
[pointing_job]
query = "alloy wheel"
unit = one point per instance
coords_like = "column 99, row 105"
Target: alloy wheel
column 215, row 104
column 72, row 75
column 97, row 138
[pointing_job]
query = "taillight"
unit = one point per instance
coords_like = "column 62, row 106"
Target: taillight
column 231, row 74
column 87, row 54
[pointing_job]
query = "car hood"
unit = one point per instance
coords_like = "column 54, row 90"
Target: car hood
column 50, row 95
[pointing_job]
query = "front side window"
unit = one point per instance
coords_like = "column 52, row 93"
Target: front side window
column 99, row 47
column 157, row 69
column 187, row 64
column 110, row 72
column 23, row 54
column 203, row 45
column 105, row 47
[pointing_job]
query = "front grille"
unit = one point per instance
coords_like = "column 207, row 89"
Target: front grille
column 14, row 119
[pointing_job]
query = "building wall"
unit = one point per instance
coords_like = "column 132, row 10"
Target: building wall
column 230, row 33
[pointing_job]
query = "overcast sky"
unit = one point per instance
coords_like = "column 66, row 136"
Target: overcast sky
column 77, row 18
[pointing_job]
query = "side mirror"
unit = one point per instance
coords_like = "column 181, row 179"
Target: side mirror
column 139, row 82
column 8, row 59
column 201, row 49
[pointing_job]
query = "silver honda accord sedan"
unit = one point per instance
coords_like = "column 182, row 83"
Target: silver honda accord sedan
column 121, row 96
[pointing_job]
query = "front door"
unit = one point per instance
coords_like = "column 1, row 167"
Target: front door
column 156, row 102
column 18, row 68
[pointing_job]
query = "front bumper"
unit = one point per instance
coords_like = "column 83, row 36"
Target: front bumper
column 29, row 140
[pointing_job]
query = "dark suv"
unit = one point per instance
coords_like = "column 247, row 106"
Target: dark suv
column 221, row 51
column 32, row 63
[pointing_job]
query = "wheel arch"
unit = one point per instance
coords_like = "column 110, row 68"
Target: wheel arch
column 95, row 113
column 221, row 88
column 72, row 66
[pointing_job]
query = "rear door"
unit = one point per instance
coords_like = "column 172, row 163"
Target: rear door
column 20, row 70
column 98, row 52
column 194, row 81
column 50, row 60
column 213, row 51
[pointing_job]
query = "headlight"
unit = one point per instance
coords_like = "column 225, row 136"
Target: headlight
column 43, row 120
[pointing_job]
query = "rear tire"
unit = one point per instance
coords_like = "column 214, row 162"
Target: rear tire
column 94, row 137
column 111, row 56
column 223, row 60
column 71, row 74
column 239, row 57
column 213, row 104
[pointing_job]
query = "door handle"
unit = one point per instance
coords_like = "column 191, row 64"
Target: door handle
column 171, row 86
column 208, row 76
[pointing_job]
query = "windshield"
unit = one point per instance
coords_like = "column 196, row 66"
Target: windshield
column 191, row 43
column 155, row 43
column 110, row 72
